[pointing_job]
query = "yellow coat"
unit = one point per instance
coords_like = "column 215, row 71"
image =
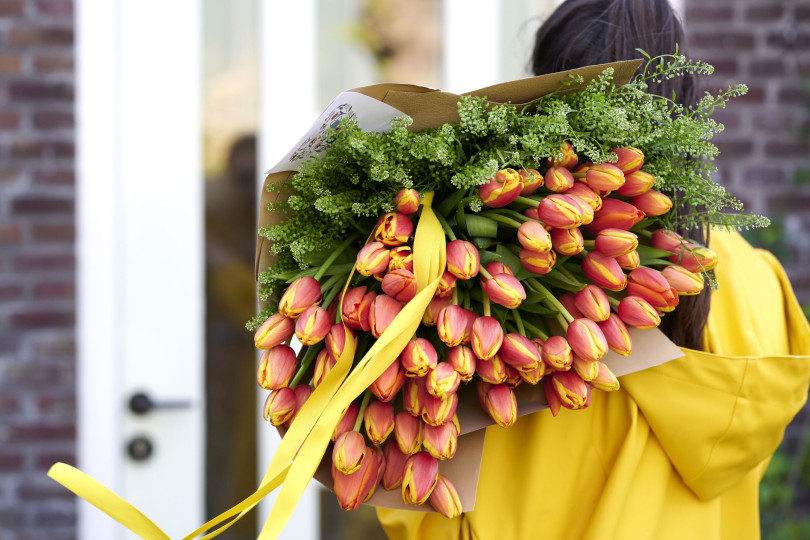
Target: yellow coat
column 677, row 453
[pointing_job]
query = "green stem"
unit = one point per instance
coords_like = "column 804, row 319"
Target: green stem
column 310, row 355
column 487, row 312
column 534, row 329
column 466, row 299
column 362, row 411
column 483, row 272
column 527, row 201
column 613, row 301
column 502, row 219
column 334, row 255
column 567, row 273
column 645, row 233
column 551, row 301
column 589, row 243
column 334, row 291
column 518, row 322
column 563, row 321
column 446, row 227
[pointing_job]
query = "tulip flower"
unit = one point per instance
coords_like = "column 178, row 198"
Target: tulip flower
column 455, row 325
column 652, row 203
column 372, row 259
column 564, row 157
column 497, row 267
column 538, row 262
column 695, row 258
column 615, row 242
column 379, row 421
column 279, row 406
column 615, row 214
column 407, row 201
column 513, row 378
column 532, row 213
column 560, row 211
column 636, row 183
column 355, row 488
column 400, row 257
column 568, row 300
column 532, row 180
column 492, row 370
column 557, row 354
column 616, row 334
column 301, row 294
column 348, row 452
column 552, row 398
column 593, row 303
column 442, row 380
column 567, row 241
column 520, row 352
column 302, row 393
column 586, row 339
column 585, row 368
column 418, row 357
column 586, row 194
column 347, row 421
column 686, row 283
column 604, row 178
column 276, row 367
column 341, row 343
column 386, row 386
column 435, row 307
column 356, row 308
column 440, row 441
column 651, row 285
column 383, row 310
column 463, row 361
column 534, row 376
column 604, row 271
column 505, row 290
column 463, row 260
column 444, row 498
column 394, row 464
column 533, row 236
column 558, row 179
column 638, row 313
column 323, row 365
column 312, row 325
column 571, row 390
column 446, row 285
column 408, row 432
column 419, row 478
column 393, row 229
column 438, row 411
column 501, row 405
column 399, row 284
column 587, row 210
column 629, row 261
column 486, row 337
column 667, row 240
column 605, row 380
column 414, row 394
column 502, row 189
column 274, row 331
column 630, row 159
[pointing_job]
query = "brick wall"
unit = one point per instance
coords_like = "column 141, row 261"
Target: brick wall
column 765, row 149
column 37, row 262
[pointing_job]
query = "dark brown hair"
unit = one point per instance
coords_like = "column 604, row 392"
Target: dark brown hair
column 588, row 32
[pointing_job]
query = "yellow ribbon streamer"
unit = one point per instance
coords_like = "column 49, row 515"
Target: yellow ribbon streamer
column 303, row 446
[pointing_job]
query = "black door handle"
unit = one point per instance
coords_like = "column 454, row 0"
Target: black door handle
column 141, row 403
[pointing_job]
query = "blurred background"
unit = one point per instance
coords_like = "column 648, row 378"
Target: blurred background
column 133, row 139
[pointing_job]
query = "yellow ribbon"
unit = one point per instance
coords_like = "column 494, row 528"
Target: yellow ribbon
column 303, row 446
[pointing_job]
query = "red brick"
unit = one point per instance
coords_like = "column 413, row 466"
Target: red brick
column 54, row 262
column 56, row 233
column 789, row 203
column 41, row 204
column 790, row 148
column 45, row 460
column 10, row 291
column 10, row 461
column 766, row 67
column 734, row 147
column 41, row 35
column 9, row 119
column 802, row 13
column 10, row 8
column 9, row 173
column 55, row 516
column 722, row 40
column 53, row 63
column 55, row 7
column 709, row 13
column 9, row 64
column 758, row 13
column 35, row 90
column 793, row 95
column 774, row 120
column 723, row 65
column 9, row 404
column 11, row 517
column 53, row 119
column 52, row 345
column 42, row 148
column 42, row 490
column 10, row 234
column 729, row 117
column 42, row 319
column 761, row 176
column 41, row 432
column 61, row 405
column 37, row 375
column 789, row 39
column 55, row 177
column 55, row 291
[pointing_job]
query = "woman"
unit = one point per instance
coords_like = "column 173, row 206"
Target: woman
column 679, row 451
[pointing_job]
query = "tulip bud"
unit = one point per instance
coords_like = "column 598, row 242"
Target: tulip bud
column 452, row 325
column 446, row 285
column 532, row 180
column 407, row 201
column 348, row 452
column 301, row 294
column 615, row 214
column 386, row 386
column 638, row 313
column 323, row 365
column 534, row 376
column 372, row 259
column 393, row 229
column 408, row 432
column 434, row 308
column 355, row 488
column 520, row 352
column 505, row 290
column 560, row 211
column 501, row 405
column 419, row 478
column 418, row 357
column 586, row 339
column 652, row 203
column 558, row 179
column 414, row 395
column 587, row 210
column 400, row 284
column 383, row 310
column 636, row 183
column 571, row 390
column 438, row 411
column 557, row 354
column 532, row 213
column 486, row 337
column 276, row 367
column 357, row 307
column 568, row 302
column 630, row 159
column 650, row 285
column 279, row 406
column 492, row 370
column 481, row 389
column 586, row 194
column 347, row 421
column 616, row 334
column 502, row 189
column 400, row 257
column 604, row 271
column 341, row 343
column 615, row 242
column 552, row 399
column 463, row 361
column 564, row 157
column 442, row 380
column 497, row 267
column 686, row 283
column 440, row 441
column 302, row 393
column 667, row 240
column 604, row 178
column 585, row 368
column 533, row 236
column 379, row 421
column 513, row 378
column 567, row 241
column 629, row 261
column 312, row 325
column 274, row 331
column 444, row 498
column 695, row 258
column 463, row 260
column 593, row 303
column 394, row 464
column 605, row 380
column 538, row 262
